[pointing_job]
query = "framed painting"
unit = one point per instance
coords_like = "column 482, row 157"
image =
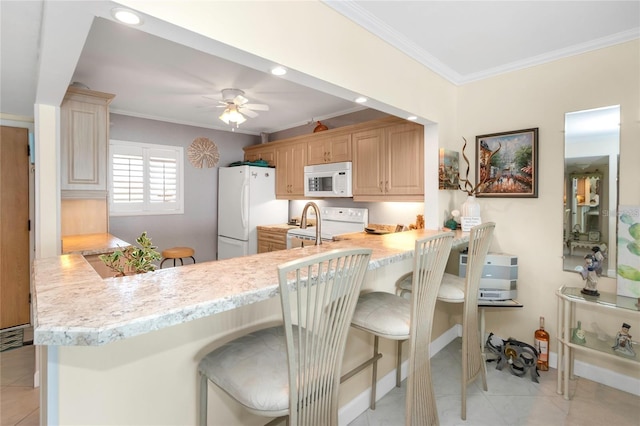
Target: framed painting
column 507, row 164
column 448, row 169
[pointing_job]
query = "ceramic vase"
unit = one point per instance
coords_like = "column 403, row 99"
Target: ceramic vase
column 471, row 207
column 470, row 213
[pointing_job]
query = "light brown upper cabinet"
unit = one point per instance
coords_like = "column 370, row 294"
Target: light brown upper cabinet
column 388, row 163
column 264, row 152
column 387, row 156
column 332, row 149
column 290, row 161
column 84, row 119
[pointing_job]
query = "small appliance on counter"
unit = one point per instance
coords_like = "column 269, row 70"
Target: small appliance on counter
column 246, row 199
column 334, row 221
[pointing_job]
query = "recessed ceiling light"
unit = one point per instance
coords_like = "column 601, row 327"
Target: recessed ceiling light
column 278, row 70
column 412, row 118
column 361, row 99
column 126, row 16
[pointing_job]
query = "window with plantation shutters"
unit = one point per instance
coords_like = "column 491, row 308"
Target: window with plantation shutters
column 145, row 179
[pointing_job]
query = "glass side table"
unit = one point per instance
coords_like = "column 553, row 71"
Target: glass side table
column 568, row 298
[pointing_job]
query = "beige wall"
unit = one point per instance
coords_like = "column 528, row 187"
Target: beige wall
column 532, row 228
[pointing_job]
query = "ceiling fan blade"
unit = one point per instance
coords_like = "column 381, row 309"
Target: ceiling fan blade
column 257, row 107
column 240, row 100
column 248, row 112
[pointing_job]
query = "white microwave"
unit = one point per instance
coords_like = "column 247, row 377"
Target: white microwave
column 328, row 180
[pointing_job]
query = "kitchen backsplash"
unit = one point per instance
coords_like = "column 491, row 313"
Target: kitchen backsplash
column 380, row 213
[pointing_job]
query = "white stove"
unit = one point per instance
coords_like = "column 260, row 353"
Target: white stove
column 334, row 221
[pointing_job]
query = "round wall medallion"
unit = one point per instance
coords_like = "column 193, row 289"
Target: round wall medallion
column 203, row 152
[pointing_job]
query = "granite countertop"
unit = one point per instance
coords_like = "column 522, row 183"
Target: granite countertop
column 73, row 306
column 88, row 244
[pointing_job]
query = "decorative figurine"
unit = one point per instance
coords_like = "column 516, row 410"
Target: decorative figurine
column 623, row 341
column 598, row 258
column 578, row 335
column 453, row 223
column 576, row 232
column 589, row 273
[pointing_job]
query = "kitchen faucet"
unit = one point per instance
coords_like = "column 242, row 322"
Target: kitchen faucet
column 303, row 221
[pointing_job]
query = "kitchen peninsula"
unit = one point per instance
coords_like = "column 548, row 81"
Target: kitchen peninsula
column 125, row 350
column 91, row 246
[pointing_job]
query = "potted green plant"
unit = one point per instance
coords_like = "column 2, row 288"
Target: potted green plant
column 133, row 260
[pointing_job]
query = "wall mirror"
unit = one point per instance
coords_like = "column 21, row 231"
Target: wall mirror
column 592, row 140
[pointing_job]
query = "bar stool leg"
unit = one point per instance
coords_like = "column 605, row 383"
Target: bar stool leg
column 204, row 391
column 399, row 365
column 374, row 374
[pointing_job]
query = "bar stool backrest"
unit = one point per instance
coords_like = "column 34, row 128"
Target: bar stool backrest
column 319, row 295
column 429, row 261
column 472, row 361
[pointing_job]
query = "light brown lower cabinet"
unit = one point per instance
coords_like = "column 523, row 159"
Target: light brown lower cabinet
column 271, row 239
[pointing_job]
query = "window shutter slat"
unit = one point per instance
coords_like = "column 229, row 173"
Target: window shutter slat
column 145, row 178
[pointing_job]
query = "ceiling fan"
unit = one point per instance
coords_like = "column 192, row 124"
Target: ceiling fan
column 236, row 106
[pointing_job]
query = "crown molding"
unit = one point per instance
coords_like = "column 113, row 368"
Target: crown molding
column 352, row 11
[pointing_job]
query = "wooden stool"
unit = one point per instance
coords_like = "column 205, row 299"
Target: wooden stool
column 177, row 253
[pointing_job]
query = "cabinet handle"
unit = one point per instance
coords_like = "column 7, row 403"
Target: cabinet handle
column 380, row 186
column 386, row 186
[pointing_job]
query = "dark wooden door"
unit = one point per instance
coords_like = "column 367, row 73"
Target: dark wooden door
column 14, row 227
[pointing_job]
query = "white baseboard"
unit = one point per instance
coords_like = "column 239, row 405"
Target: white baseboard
column 351, row 410
column 601, row 375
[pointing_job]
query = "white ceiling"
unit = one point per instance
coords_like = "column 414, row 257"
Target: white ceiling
column 156, row 78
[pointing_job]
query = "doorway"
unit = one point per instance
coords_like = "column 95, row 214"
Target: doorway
column 14, row 227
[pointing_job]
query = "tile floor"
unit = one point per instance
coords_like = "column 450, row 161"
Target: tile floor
column 510, row 400
column 19, row 400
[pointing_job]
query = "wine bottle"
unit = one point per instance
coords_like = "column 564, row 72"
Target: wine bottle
column 542, row 346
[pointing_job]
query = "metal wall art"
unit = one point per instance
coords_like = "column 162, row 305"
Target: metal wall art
column 203, row 152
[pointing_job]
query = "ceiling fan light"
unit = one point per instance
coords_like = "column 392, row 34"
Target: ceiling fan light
column 239, row 118
column 232, row 115
column 224, row 117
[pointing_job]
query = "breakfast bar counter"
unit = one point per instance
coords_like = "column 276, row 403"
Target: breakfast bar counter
column 74, row 306
column 150, row 330
column 88, row 244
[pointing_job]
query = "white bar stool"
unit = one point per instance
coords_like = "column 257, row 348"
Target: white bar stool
column 455, row 289
column 393, row 317
column 294, row 369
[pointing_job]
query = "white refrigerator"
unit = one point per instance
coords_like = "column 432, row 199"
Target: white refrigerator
column 246, row 199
